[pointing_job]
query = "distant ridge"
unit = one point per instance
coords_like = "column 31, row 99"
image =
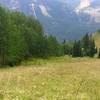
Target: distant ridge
column 65, row 19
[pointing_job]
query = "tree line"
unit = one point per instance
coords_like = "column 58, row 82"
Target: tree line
column 80, row 48
column 23, row 37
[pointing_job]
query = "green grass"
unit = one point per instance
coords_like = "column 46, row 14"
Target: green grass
column 62, row 78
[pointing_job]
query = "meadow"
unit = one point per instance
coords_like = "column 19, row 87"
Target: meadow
column 60, row 78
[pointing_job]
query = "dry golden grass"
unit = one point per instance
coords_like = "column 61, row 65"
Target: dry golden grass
column 97, row 39
column 63, row 78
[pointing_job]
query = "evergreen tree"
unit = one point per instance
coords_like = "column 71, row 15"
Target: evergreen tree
column 54, row 48
column 77, row 51
column 67, row 47
column 85, row 45
column 3, row 36
column 88, row 46
column 92, row 48
column 64, row 47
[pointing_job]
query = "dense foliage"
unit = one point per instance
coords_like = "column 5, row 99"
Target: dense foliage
column 22, row 37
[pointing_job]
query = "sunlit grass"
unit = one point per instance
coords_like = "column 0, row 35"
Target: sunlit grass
column 96, row 36
column 62, row 78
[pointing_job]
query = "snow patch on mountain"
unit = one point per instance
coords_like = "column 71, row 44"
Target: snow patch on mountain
column 44, row 10
column 14, row 4
column 33, row 9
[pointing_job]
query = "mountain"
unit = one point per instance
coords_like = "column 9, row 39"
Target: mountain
column 66, row 19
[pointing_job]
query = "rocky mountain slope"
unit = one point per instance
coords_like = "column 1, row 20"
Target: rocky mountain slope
column 68, row 19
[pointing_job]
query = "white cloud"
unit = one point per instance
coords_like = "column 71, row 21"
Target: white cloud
column 83, row 4
column 85, row 7
column 94, row 13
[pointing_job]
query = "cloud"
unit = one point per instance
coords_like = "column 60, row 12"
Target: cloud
column 83, row 4
column 94, row 13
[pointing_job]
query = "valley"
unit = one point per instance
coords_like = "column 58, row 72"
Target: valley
column 50, row 50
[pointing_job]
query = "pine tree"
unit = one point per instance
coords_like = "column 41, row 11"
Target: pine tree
column 85, row 45
column 77, row 51
column 3, row 36
column 67, row 47
column 88, row 46
column 92, row 48
column 64, row 47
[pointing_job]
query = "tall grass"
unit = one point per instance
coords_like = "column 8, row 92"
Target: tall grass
column 63, row 78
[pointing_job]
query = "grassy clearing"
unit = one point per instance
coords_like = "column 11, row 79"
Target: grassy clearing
column 63, row 78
